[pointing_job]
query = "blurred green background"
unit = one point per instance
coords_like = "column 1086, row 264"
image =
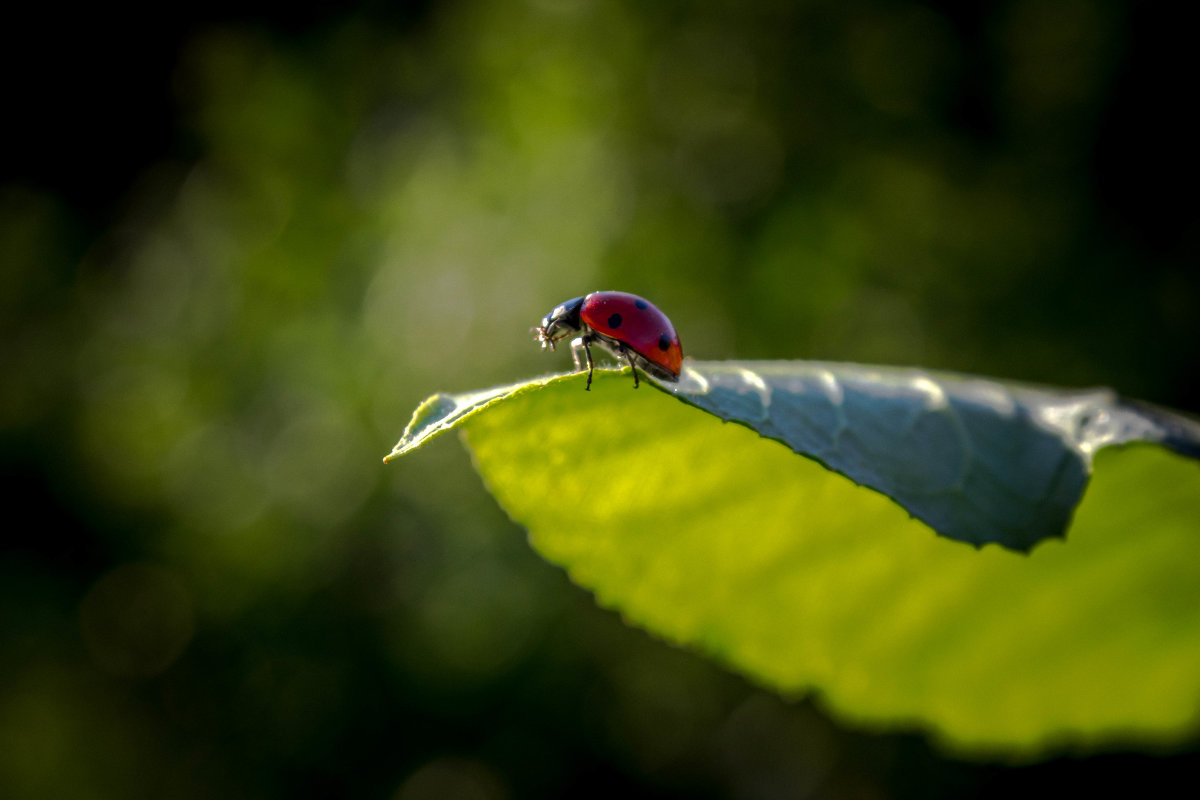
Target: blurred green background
column 241, row 243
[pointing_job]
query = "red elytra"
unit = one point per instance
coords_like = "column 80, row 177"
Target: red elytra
column 628, row 326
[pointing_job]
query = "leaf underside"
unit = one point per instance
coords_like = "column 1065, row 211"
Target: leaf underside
column 710, row 536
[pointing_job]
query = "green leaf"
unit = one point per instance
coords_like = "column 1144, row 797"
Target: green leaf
column 978, row 460
column 712, row 536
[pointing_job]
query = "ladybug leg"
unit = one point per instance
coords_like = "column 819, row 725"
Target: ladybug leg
column 576, row 346
column 624, row 351
column 632, row 368
column 583, row 342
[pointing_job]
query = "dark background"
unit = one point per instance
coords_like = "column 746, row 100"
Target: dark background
column 242, row 242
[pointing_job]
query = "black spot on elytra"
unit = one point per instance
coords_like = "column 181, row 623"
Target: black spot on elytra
column 663, row 342
column 641, row 304
column 614, row 321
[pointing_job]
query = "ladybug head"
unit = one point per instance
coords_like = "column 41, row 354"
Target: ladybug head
column 560, row 323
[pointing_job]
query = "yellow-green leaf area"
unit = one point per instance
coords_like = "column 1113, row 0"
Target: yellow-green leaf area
column 713, row 537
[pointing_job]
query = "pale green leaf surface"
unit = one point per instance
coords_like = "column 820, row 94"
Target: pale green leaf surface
column 711, row 536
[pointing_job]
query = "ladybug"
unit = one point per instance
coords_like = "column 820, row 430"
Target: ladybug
column 626, row 325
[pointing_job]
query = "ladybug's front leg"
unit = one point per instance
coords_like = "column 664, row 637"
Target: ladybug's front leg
column 583, row 342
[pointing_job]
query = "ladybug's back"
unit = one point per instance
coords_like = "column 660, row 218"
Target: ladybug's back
column 636, row 323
